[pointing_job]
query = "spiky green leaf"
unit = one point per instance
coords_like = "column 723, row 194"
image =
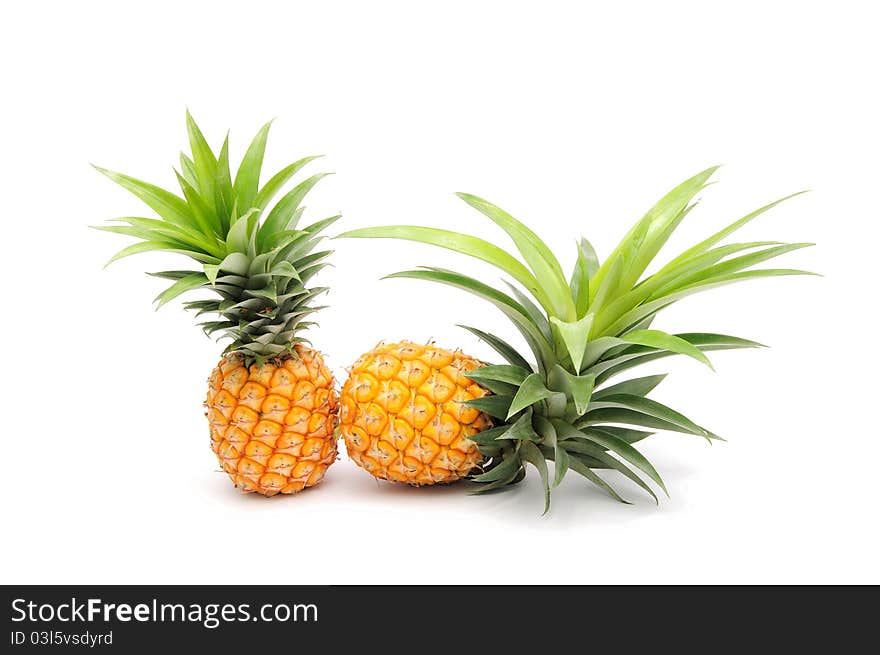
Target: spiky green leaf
column 247, row 178
column 193, row 281
column 540, row 258
column 461, row 243
column 500, row 346
column 663, row 341
column 529, row 452
column 531, row 391
column 575, row 335
column 585, row 267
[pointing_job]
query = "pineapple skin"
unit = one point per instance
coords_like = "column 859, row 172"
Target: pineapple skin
column 402, row 417
column 272, row 425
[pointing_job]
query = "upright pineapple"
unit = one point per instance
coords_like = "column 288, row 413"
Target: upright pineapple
column 581, row 331
column 271, row 405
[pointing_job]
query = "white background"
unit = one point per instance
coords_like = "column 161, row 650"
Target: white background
column 575, row 117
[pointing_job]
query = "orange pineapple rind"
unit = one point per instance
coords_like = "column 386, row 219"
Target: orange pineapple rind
column 402, row 417
column 272, row 426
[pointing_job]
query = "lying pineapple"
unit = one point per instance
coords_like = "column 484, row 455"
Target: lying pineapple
column 404, row 417
column 581, row 332
column 271, row 402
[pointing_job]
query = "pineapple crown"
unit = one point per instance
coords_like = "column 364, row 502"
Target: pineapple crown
column 255, row 257
column 584, row 329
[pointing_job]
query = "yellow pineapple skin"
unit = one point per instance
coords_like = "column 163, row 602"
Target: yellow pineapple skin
column 402, row 417
column 272, row 426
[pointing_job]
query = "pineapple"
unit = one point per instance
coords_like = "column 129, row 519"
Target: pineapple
column 556, row 402
column 271, row 403
column 403, row 417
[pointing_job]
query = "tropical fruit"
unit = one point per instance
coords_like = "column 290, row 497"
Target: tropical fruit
column 272, row 425
column 271, row 403
column 555, row 401
column 403, row 414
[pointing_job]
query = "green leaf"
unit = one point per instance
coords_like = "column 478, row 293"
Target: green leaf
column 236, row 263
column 512, row 309
column 497, row 387
column 224, row 199
column 604, row 292
column 630, row 417
column 273, row 186
column 268, row 292
column 280, row 216
column 608, row 410
column 532, row 390
column 730, row 229
column 165, row 231
column 188, row 170
column 638, row 355
column 461, row 243
column 239, row 236
column 745, row 275
column 562, row 463
column 281, row 240
column 577, row 465
column 513, row 375
column 530, row 453
column 521, row 429
column 289, row 244
column 170, row 207
column 489, row 436
column 627, row 452
column 319, row 226
column 567, row 431
column 203, row 306
column 599, row 348
column 629, row 435
column 539, row 257
column 580, row 388
column 247, row 178
column 490, row 451
column 211, row 272
column 545, row 430
column 586, row 449
column 586, row 266
column 575, row 336
column 646, row 238
column 172, row 275
column 664, row 341
column 534, row 312
column 466, row 283
column 500, row 346
column 634, row 387
column 209, row 327
column 138, row 232
column 706, row 340
column 203, row 159
column 509, row 466
column 557, row 404
column 668, row 277
column 512, row 475
column 147, row 246
column 641, row 312
column 729, row 266
column 303, row 263
column 286, row 269
column 206, row 217
column 495, row 406
column 182, row 285
column 259, row 265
